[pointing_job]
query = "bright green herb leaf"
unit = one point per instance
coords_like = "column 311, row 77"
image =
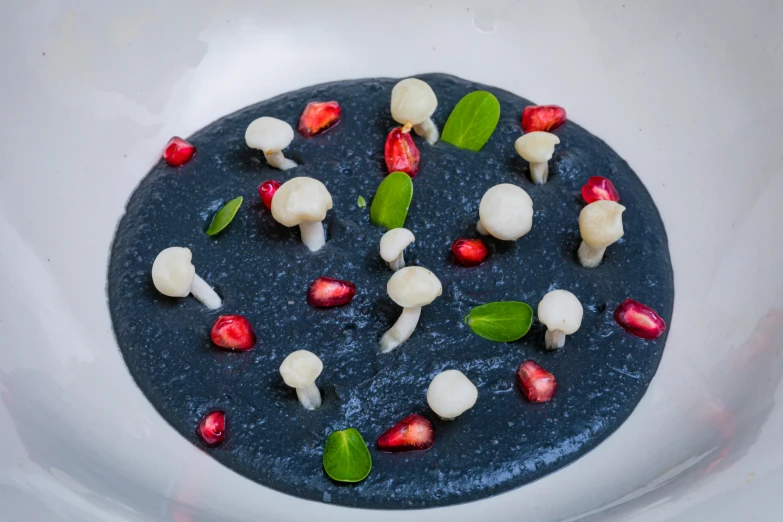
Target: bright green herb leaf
column 346, row 457
column 391, row 202
column 503, row 321
column 224, row 216
column 472, row 121
column 361, row 202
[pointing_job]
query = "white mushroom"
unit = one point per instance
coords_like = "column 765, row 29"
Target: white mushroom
column 451, row 394
column 505, row 212
column 271, row 136
column 411, row 288
column 561, row 312
column 412, row 104
column 303, row 202
column 537, row 148
column 300, row 370
column 393, row 244
column 601, row 224
column 174, row 275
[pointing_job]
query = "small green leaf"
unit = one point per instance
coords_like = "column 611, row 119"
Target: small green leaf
column 472, row 121
column 391, row 202
column 504, row 321
column 361, row 202
column 224, row 216
column 346, row 457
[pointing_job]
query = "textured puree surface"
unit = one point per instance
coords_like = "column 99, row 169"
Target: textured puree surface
column 263, row 271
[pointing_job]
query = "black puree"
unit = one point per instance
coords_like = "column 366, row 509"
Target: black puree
column 263, row 271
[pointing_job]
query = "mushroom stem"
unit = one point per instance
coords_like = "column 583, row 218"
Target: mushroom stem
column 398, row 263
column 407, row 127
column 310, row 397
column 204, row 293
column 312, row 234
column 446, row 418
column 402, row 329
column 539, row 172
column 480, row 228
column 428, row 130
column 276, row 159
column 554, row 339
column 590, row 257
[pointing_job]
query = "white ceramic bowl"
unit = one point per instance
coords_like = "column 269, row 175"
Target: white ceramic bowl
column 688, row 92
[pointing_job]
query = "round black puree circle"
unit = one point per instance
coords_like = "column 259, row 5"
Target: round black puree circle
column 262, row 271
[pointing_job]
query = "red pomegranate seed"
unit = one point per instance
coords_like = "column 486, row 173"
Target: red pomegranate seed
column 469, row 252
column 414, row 432
column 639, row 319
column 536, row 383
column 266, row 191
column 212, row 428
column 542, row 117
column 178, row 151
column 318, row 117
column 598, row 188
column 326, row 292
column 401, row 153
column 233, row 332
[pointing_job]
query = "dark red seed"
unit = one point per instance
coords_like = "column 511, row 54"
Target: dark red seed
column 542, row 117
column 599, row 188
column 318, row 117
column 178, row 152
column 469, row 252
column 414, row 432
column 212, row 428
column 536, row 383
column 639, row 319
column 233, row 332
column 266, row 191
column 401, row 153
column 326, row 292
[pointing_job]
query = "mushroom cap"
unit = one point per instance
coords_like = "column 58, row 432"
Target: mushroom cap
column 269, row 134
column 173, row 272
column 601, row 223
column 451, row 394
column 413, row 286
column 300, row 199
column 301, row 368
column 394, row 242
column 561, row 310
column 412, row 100
column 506, row 211
column 536, row 147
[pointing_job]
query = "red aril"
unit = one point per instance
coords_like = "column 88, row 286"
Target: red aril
column 599, row 188
column 469, row 252
column 266, row 191
column 326, row 292
column 178, row 151
column 536, row 383
column 542, row 117
column 639, row 319
column 318, row 117
column 401, row 153
column 233, row 332
column 414, row 432
column 212, row 428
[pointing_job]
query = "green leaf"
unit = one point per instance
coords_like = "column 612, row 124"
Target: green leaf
column 361, row 202
column 346, row 457
column 391, row 202
column 504, row 321
column 224, row 216
column 472, row 121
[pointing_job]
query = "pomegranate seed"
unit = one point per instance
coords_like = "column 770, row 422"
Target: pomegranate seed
column 598, row 188
column 266, row 191
column 536, row 383
column 326, row 292
column 542, row 117
column 414, row 432
column 178, row 151
column 318, row 117
column 212, row 428
column 233, row 332
column 639, row 319
column 469, row 252
column 401, row 153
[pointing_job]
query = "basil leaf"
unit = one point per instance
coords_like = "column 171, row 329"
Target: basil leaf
column 503, row 321
column 391, row 202
column 361, row 202
column 224, row 216
column 346, row 457
column 472, row 121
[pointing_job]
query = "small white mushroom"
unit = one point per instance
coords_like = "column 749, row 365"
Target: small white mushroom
column 412, row 104
column 393, row 244
column 601, row 224
column 411, row 288
column 271, row 136
column 451, row 394
column 561, row 312
column 174, row 275
column 300, row 370
column 537, row 148
column 505, row 212
column 303, row 202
